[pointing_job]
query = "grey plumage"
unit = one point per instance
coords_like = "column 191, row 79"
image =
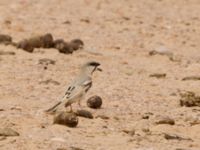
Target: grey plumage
column 77, row 90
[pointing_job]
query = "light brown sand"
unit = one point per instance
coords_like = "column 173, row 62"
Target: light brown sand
column 119, row 34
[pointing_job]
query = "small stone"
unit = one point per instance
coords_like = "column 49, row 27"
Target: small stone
column 76, row 44
column 5, row 38
column 67, row 22
column 195, row 78
column 169, row 136
column 189, row 99
column 103, row 117
column 42, row 41
column 116, row 118
column 158, row 75
column 25, row 45
column 8, row 132
column 49, row 81
column 147, row 115
column 62, row 46
column 7, row 53
column 146, row 130
column 85, row 20
column 130, row 132
column 126, row 18
column 47, row 41
column 94, row 102
column 8, row 22
column 84, row 113
column 164, row 120
column 65, row 118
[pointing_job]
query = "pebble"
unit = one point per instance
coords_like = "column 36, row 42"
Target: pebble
column 94, row 102
column 189, row 99
column 129, row 132
column 65, row 118
column 170, row 136
column 103, row 117
column 84, row 113
column 158, row 75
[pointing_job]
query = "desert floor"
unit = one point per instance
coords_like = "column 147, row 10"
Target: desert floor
column 119, row 34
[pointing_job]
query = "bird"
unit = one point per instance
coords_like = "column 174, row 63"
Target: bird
column 78, row 88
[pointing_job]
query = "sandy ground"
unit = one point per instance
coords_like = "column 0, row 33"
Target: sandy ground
column 119, row 34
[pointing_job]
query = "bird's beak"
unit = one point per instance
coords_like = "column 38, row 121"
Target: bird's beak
column 99, row 69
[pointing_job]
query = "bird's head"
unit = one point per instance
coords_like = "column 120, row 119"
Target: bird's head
column 90, row 67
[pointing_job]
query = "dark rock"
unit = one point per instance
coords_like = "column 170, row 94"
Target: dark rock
column 47, row 41
column 5, row 38
column 76, row 44
column 116, row 118
column 84, row 113
column 43, row 41
column 85, row 20
column 147, row 115
column 8, row 132
column 126, row 18
column 62, row 46
column 195, row 78
column 158, row 75
column 94, row 102
column 67, row 119
column 189, row 99
column 129, row 132
column 25, row 45
column 67, row 22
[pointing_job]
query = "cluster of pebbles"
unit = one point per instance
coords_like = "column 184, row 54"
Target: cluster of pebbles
column 70, row 119
column 44, row 41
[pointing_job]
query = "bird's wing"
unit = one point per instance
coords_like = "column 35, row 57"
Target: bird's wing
column 73, row 94
column 78, row 87
column 87, row 85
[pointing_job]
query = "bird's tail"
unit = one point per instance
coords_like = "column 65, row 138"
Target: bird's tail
column 54, row 108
